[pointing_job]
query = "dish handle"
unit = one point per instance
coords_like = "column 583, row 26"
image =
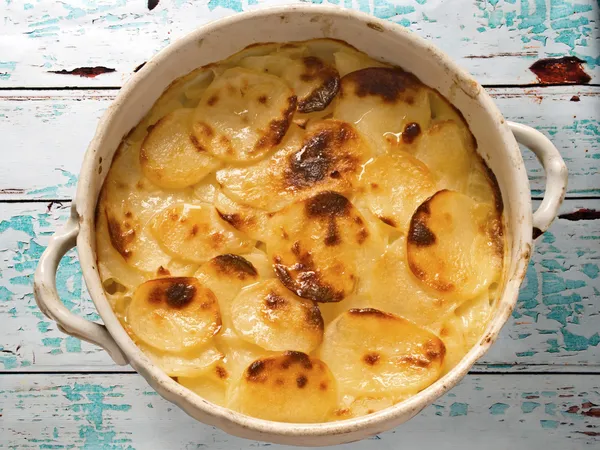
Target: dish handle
column 556, row 174
column 47, row 299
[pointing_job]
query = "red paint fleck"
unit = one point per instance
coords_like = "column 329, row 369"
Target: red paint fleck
column 565, row 70
column 588, row 405
column 589, row 433
column 565, row 395
column 529, row 397
column 575, row 98
column 592, row 412
column 573, row 409
column 581, row 214
column 87, row 72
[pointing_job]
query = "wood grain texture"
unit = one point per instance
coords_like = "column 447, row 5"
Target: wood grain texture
column 496, row 40
column 553, row 328
column 494, row 412
column 45, row 135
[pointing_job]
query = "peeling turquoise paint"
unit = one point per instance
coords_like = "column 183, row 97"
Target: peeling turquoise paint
column 591, row 270
column 498, row 409
column 528, row 407
column 458, row 409
column 549, row 424
column 6, row 69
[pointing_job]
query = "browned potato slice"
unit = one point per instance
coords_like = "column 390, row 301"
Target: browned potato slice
column 270, row 316
column 211, row 385
column 348, row 60
column 455, row 245
column 227, row 274
column 372, row 352
column 328, row 155
column 245, row 219
column 197, row 233
column 174, row 314
column 387, row 105
column 243, row 115
column 447, row 149
column 314, row 82
column 292, row 387
column 192, row 363
column 395, row 289
column 320, row 246
column 171, row 157
column 395, row 184
column 125, row 207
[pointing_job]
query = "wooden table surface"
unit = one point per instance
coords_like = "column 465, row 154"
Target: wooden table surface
column 61, row 64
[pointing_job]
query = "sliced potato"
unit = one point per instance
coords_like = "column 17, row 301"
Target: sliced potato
column 464, row 327
column 196, row 233
column 171, row 157
column 315, row 83
column 373, row 352
column 211, row 385
column 192, row 363
column 455, row 245
column 270, row 316
column 127, row 203
column 243, row 115
column 328, row 155
column 227, row 274
column 387, row 105
column 321, row 246
column 395, row 289
column 247, row 220
column 292, row 387
column 174, row 314
column 447, row 149
column 348, row 60
column 395, row 185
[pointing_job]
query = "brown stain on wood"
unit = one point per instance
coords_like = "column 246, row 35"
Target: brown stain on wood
column 575, row 98
column 581, row 214
column 565, row 70
column 501, row 54
column 86, row 72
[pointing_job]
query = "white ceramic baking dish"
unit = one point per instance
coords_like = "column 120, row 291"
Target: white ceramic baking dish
column 381, row 40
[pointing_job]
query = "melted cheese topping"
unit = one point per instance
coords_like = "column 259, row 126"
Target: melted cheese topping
column 301, row 233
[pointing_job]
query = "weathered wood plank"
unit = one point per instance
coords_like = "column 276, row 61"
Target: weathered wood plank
column 496, row 40
column 45, row 134
column 121, row 412
column 553, row 328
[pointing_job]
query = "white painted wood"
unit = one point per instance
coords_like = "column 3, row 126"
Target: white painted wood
column 493, row 412
column 553, row 328
column 45, row 134
column 495, row 40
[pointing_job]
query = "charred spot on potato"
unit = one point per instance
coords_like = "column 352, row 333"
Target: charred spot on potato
column 239, row 266
column 371, row 358
column 322, row 96
column 387, row 83
column 411, row 132
column 277, row 128
column 180, row 293
column 121, row 235
column 328, row 204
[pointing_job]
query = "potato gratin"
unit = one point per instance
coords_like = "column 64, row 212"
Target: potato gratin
column 301, row 233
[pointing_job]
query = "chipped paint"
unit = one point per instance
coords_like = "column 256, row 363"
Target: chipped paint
column 567, row 69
